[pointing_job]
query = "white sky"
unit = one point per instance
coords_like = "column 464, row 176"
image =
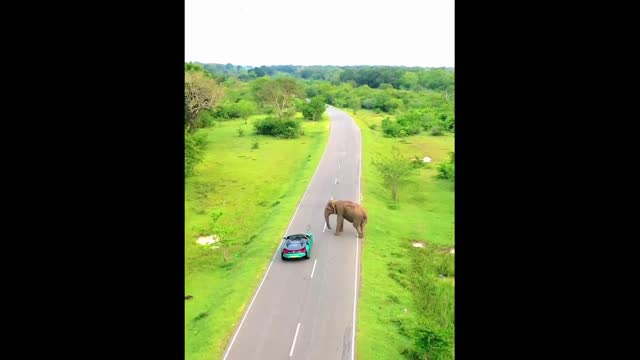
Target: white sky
column 316, row 32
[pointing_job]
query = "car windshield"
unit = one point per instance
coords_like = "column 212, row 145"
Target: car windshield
column 295, row 244
column 296, row 237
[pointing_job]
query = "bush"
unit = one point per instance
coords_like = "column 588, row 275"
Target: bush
column 433, row 342
column 206, row 119
column 369, row 104
column 373, row 126
column 412, row 122
column 285, row 128
column 447, row 170
column 255, row 145
column 240, row 132
column 313, row 109
column 436, row 131
column 418, row 162
column 193, row 151
column 390, row 128
column 234, row 110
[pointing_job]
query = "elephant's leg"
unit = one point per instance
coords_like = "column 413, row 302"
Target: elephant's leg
column 358, row 226
column 339, row 223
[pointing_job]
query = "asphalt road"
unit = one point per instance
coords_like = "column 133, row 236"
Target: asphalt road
column 306, row 309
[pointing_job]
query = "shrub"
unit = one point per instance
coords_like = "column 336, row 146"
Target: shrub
column 193, row 151
column 447, row 170
column 206, row 119
column 412, row 122
column 418, row 162
column 240, row 132
column 436, row 131
column 390, row 128
column 285, row 128
column 369, row 103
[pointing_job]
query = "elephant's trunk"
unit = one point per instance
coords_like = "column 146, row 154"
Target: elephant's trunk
column 326, row 218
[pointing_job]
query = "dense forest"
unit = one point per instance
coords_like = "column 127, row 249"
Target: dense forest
column 397, row 77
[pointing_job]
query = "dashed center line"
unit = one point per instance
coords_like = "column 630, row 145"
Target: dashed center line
column 294, row 341
column 314, row 268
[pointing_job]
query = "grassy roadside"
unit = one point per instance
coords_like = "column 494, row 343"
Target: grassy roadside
column 253, row 189
column 406, row 305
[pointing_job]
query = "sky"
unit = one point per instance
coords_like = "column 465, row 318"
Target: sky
column 329, row 32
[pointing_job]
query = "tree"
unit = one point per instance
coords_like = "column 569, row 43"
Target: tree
column 409, row 80
column 394, row 169
column 280, row 93
column 220, row 232
column 201, row 92
column 354, row 104
column 245, row 108
column 313, row 109
column 450, row 92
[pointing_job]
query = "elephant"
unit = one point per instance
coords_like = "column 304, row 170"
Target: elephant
column 344, row 209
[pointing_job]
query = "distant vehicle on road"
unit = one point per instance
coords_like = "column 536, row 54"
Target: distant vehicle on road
column 297, row 246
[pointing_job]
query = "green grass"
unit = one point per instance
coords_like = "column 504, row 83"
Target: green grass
column 401, row 290
column 254, row 190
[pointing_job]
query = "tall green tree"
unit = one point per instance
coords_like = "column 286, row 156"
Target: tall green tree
column 279, row 93
column 221, row 233
column 354, row 103
column 313, row 109
column 245, row 108
column 394, row 169
column 409, row 80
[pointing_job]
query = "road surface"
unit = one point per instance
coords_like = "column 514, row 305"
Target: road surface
column 306, row 309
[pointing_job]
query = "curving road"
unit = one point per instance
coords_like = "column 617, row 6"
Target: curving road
column 306, row 309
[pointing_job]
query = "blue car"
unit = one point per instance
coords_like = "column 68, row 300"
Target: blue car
column 297, row 246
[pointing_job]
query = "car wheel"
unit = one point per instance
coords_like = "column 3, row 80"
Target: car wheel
column 308, row 254
column 283, row 258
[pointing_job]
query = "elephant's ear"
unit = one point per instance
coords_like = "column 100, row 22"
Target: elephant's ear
column 333, row 206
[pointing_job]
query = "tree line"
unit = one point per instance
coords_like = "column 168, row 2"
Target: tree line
column 397, row 77
column 420, row 99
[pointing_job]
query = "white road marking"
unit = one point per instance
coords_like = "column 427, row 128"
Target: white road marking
column 336, row 181
column 355, row 288
column 355, row 301
column 314, row 268
column 331, row 197
column 338, row 164
column 294, row 340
